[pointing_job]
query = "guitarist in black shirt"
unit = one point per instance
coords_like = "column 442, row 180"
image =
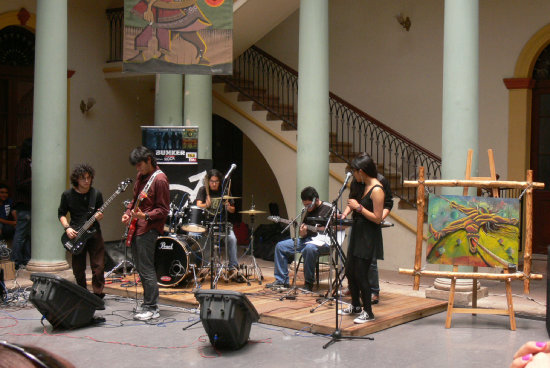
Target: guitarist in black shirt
column 83, row 201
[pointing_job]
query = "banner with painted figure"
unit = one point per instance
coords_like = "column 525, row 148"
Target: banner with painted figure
column 473, row 231
column 178, row 36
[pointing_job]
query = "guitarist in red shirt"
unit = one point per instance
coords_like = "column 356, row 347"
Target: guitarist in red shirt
column 145, row 218
column 82, row 201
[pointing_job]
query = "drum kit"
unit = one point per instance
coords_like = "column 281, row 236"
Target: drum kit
column 183, row 253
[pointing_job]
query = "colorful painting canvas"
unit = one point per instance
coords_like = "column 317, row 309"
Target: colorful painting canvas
column 473, row 231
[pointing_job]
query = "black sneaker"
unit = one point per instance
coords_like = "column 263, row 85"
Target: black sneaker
column 364, row 317
column 350, row 309
column 308, row 286
column 277, row 285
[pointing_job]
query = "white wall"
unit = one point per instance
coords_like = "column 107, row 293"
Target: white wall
column 396, row 76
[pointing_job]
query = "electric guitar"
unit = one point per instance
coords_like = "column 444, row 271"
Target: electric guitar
column 319, row 239
column 76, row 245
column 131, row 228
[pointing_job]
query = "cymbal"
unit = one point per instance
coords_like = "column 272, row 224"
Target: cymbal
column 226, row 197
column 252, row 212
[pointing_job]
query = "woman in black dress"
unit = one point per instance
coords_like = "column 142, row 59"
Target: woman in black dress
column 366, row 201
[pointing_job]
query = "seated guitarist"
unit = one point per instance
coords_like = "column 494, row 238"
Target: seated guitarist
column 310, row 252
column 83, row 201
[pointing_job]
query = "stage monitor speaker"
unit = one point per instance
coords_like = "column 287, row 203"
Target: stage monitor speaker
column 63, row 303
column 227, row 317
column 548, row 291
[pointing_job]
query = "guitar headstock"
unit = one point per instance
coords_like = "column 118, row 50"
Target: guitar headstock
column 275, row 219
column 123, row 185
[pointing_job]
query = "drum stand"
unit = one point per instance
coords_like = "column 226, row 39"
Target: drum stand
column 124, row 263
column 258, row 276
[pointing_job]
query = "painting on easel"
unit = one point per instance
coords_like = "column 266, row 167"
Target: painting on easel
column 473, row 231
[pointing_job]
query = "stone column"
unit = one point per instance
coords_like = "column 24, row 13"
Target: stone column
column 49, row 159
column 460, row 120
column 197, row 110
column 313, row 99
column 169, row 99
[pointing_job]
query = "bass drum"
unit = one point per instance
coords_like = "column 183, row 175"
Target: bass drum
column 175, row 258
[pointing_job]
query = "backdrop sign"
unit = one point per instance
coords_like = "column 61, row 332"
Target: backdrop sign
column 473, row 231
column 172, row 144
column 178, row 36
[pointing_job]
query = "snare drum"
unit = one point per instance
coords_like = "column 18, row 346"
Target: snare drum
column 174, row 257
column 194, row 220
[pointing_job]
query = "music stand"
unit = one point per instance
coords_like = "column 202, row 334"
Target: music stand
column 291, row 294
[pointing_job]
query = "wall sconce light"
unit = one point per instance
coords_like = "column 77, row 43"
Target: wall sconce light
column 87, row 106
column 404, row 21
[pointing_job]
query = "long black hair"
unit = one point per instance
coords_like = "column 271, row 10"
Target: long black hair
column 364, row 162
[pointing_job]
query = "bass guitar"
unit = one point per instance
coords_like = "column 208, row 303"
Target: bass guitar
column 76, row 245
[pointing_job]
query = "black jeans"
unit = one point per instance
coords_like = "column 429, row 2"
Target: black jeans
column 96, row 249
column 143, row 253
column 357, row 271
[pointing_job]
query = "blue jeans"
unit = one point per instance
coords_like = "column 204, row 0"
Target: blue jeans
column 231, row 250
column 143, row 254
column 21, row 253
column 310, row 253
column 373, row 278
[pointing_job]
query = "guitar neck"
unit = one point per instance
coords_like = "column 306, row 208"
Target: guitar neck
column 92, row 219
column 285, row 221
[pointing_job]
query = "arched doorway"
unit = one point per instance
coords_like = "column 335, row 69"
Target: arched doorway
column 16, row 94
column 540, row 149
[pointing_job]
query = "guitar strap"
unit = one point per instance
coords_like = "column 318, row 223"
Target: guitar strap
column 91, row 205
column 150, row 181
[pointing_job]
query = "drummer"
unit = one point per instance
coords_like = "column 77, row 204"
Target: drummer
column 209, row 197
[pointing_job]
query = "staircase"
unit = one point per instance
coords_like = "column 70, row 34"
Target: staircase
column 272, row 87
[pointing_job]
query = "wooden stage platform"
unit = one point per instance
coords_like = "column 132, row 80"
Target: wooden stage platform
column 393, row 309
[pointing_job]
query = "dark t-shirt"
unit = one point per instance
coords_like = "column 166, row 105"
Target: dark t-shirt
column 77, row 205
column 323, row 210
column 214, row 195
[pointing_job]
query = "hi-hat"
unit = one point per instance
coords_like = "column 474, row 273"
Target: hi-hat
column 226, row 197
column 252, row 212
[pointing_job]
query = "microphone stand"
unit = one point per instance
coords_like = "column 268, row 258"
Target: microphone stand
column 336, row 335
column 291, row 294
column 214, row 280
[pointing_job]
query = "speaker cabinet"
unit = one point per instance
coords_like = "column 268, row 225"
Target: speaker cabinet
column 63, row 303
column 227, row 317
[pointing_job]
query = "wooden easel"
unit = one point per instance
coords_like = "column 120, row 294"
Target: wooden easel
column 475, row 310
column 507, row 277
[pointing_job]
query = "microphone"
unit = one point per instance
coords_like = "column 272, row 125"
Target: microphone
column 348, row 177
column 233, row 167
column 312, row 204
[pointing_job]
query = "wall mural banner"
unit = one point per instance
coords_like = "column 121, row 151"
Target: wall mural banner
column 178, row 36
column 473, row 231
column 177, row 145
